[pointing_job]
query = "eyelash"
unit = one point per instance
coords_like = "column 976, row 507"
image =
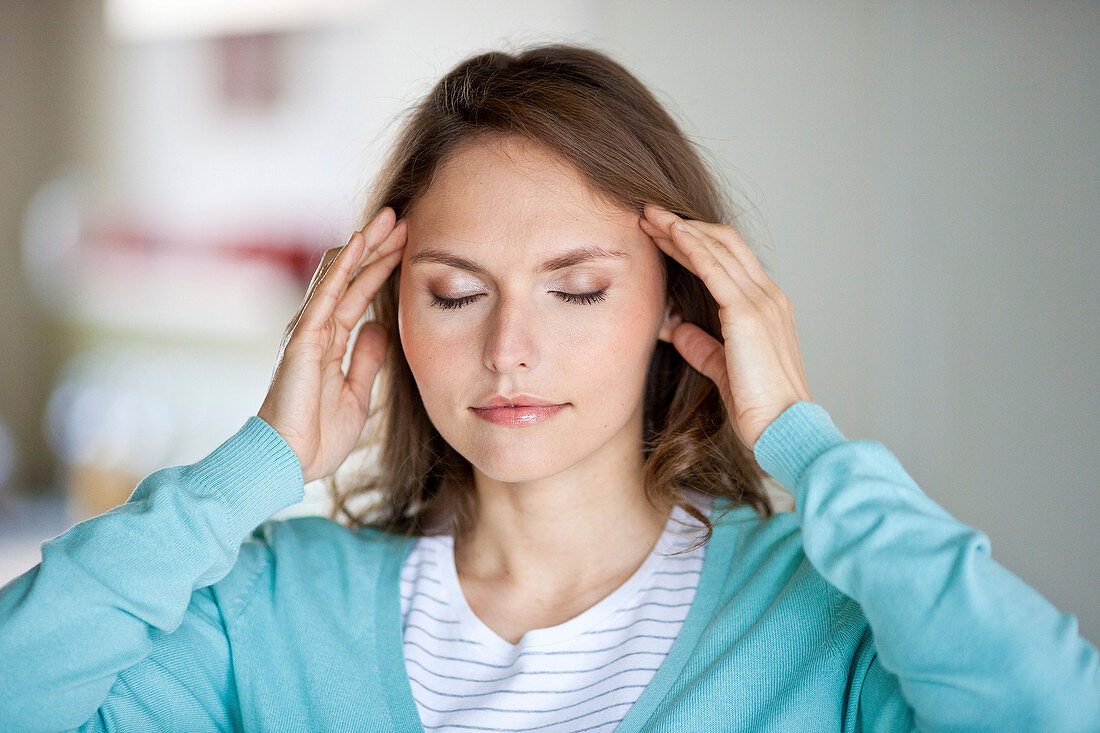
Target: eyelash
column 581, row 298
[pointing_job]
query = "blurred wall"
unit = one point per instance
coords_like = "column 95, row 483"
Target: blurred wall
column 49, row 53
column 928, row 184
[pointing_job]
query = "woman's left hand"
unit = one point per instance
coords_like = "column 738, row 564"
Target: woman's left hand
column 758, row 369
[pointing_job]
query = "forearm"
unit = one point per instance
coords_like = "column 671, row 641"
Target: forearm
column 970, row 643
column 110, row 586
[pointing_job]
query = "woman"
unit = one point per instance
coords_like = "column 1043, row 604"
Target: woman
column 586, row 377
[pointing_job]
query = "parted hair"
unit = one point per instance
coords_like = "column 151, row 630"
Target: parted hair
column 589, row 111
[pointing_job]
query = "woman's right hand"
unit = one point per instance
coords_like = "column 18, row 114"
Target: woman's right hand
column 318, row 410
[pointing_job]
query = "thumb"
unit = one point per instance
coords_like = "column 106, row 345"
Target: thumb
column 367, row 357
column 703, row 352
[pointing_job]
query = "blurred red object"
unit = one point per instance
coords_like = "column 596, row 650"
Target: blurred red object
column 297, row 256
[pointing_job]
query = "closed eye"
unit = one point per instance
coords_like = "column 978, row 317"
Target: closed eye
column 584, row 298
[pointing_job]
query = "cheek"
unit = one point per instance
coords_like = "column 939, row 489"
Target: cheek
column 434, row 353
column 625, row 344
column 405, row 331
column 620, row 356
column 416, row 342
column 609, row 359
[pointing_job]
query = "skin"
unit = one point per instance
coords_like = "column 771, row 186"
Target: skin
column 562, row 515
column 527, row 532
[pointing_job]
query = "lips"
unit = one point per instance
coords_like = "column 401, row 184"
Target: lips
column 518, row 416
column 518, row 400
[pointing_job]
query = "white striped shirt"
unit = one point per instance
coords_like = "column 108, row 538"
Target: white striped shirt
column 581, row 675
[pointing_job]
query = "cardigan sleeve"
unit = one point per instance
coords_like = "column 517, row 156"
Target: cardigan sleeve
column 120, row 626
column 959, row 642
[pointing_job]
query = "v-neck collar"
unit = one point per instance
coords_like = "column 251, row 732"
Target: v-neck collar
column 500, row 649
column 389, row 638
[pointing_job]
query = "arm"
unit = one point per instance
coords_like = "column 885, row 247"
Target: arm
column 966, row 643
column 117, row 624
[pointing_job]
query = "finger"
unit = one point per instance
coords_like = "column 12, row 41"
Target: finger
column 318, row 275
column 667, row 245
column 367, row 232
column 659, row 222
column 328, row 290
column 322, row 269
column 705, row 354
column 687, row 245
column 323, row 266
column 380, row 223
column 737, row 247
column 721, row 285
column 363, row 288
column 665, row 221
column 733, row 267
column 394, row 240
column 374, row 232
column 377, row 233
column 378, row 265
column 330, row 286
column 367, row 356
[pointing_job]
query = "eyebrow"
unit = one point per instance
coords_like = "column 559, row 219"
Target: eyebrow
column 576, row 256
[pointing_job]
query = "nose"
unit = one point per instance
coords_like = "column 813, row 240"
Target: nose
column 510, row 343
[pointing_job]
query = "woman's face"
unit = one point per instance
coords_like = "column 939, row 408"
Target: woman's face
column 508, row 208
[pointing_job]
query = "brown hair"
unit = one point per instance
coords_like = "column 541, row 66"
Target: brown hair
column 591, row 112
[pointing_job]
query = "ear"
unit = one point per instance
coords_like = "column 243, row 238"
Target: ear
column 671, row 320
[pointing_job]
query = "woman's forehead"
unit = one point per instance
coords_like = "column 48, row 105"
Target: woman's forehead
column 487, row 182
column 522, row 201
column 553, row 262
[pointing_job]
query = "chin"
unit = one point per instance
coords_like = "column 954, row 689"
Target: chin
column 518, row 456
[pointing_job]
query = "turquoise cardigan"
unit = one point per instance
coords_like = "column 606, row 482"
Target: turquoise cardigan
column 867, row 609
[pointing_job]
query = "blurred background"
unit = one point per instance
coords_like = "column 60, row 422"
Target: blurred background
column 922, row 179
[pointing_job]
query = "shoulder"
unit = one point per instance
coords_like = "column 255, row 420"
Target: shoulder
column 754, row 541
column 311, row 552
column 316, row 542
column 768, row 569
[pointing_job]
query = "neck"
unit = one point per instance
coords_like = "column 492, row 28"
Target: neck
column 560, row 536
